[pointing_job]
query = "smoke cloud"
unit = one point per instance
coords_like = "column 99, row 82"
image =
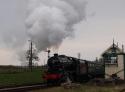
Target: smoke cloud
column 46, row 22
column 49, row 22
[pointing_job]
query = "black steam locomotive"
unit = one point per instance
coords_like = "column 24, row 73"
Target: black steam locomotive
column 61, row 68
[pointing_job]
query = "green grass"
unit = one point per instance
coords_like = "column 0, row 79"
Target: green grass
column 84, row 88
column 20, row 77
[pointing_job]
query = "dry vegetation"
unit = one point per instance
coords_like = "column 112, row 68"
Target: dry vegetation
column 84, row 88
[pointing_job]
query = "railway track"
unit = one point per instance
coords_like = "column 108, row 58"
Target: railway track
column 24, row 88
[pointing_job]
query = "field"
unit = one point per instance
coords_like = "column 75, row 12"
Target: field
column 84, row 88
column 15, row 76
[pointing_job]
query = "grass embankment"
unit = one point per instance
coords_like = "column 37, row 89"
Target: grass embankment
column 84, row 88
column 15, row 77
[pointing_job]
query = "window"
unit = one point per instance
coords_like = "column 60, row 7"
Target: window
column 113, row 60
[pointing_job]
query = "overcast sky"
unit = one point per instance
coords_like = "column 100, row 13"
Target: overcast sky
column 105, row 20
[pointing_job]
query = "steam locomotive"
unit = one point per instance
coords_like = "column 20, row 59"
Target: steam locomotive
column 62, row 68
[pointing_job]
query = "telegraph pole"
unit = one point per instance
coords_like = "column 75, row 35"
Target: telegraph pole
column 30, row 55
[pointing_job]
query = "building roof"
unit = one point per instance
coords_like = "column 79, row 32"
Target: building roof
column 112, row 48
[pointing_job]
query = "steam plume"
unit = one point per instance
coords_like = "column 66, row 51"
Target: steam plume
column 49, row 22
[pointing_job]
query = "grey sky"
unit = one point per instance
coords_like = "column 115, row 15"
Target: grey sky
column 12, row 21
column 105, row 20
column 96, row 33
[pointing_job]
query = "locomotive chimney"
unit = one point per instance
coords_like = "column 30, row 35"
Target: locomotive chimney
column 56, row 55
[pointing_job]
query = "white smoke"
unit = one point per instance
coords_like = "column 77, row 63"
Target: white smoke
column 49, row 22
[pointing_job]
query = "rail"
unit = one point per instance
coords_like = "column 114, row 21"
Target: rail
column 23, row 88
